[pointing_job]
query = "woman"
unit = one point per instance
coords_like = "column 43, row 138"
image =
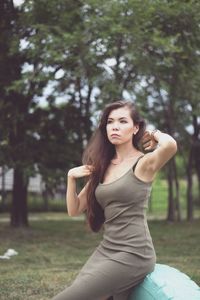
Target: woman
column 115, row 196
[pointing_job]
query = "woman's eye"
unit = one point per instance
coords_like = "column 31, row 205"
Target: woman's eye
column 122, row 121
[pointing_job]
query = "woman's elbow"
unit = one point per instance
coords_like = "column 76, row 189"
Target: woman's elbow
column 71, row 213
column 173, row 147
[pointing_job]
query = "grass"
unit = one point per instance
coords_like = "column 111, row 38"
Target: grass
column 53, row 249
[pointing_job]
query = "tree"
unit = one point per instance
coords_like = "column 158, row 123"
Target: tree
column 31, row 60
column 172, row 47
column 90, row 54
column 12, row 131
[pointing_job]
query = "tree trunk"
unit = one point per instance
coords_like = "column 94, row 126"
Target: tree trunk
column 45, row 196
column 19, row 211
column 3, row 187
column 88, row 123
column 171, row 206
column 177, row 197
column 45, row 200
column 196, row 142
column 189, row 187
column 169, row 117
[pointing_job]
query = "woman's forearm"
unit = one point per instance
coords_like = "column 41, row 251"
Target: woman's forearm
column 165, row 140
column 72, row 200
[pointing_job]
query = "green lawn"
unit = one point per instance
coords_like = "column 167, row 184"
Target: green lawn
column 53, row 249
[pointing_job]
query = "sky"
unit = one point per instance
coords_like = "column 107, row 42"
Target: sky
column 18, row 2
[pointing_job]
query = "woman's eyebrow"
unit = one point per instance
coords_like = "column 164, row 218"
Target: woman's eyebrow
column 118, row 118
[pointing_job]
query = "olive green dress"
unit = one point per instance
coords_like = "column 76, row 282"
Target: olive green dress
column 126, row 254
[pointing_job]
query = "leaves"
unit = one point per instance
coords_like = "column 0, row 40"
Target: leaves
column 147, row 51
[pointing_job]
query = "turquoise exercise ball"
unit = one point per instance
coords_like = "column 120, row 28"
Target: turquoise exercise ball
column 166, row 283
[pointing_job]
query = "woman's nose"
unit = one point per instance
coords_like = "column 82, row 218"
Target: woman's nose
column 115, row 127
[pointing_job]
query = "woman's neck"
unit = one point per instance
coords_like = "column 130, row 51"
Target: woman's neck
column 123, row 152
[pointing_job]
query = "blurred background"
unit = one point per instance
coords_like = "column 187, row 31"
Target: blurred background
column 61, row 61
column 60, row 64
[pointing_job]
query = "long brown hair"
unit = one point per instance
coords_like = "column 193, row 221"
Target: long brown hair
column 99, row 152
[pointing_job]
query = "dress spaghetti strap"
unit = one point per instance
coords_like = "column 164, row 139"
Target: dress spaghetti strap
column 135, row 164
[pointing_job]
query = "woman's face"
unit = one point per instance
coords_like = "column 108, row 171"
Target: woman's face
column 120, row 127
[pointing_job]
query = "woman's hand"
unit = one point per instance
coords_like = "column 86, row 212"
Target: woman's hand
column 148, row 141
column 154, row 161
column 81, row 171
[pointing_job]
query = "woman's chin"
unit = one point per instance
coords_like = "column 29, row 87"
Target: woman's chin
column 116, row 142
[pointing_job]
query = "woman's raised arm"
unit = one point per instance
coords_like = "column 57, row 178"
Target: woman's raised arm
column 154, row 161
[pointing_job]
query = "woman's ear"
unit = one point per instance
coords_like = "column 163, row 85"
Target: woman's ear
column 136, row 129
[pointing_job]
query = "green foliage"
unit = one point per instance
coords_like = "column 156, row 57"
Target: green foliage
column 91, row 53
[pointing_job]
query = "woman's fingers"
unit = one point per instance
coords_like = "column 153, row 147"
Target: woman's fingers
column 84, row 170
column 148, row 148
column 90, row 167
column 146, row 144
column 146, row 137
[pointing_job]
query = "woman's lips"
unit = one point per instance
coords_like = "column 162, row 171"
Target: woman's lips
column 114, row 135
